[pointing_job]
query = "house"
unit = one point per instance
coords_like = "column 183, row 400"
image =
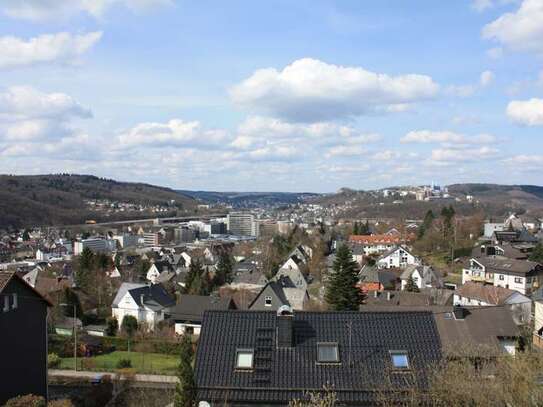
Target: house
column 280, row 292
column 477, row 294
column 375, row 244
column 423, row 277
column 270, row 358
column 520, row 275
column 538, row 324
column 158, row 268
column 475, row 329
column 406, row 299
column 466, row 330
column 397, row 257
column 189, row 312
column 248, row 275
column 519, row 251
column 295, row 275
column 373, row 279
column 23, row 342
column 147, row 303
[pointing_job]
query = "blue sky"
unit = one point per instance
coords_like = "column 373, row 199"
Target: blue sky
column 279, row 95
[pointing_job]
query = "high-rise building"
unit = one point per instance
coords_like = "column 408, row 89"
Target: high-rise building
column 242, row 224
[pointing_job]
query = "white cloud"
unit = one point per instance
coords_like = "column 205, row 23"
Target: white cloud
column 521, row 30
column 61, row 47
column 175, row 132
column 346, row 151
column 525, row 162
column 24, row 102
column 449, row 137
column 309, row 90
column 39, row 10
column 452, row 155
column 487, row 77
column 494, row 53
column 526, row 112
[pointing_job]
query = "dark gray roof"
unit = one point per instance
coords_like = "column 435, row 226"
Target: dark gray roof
column 281, row 374
column 192, row 307
column 154, row 296
column 503, row 265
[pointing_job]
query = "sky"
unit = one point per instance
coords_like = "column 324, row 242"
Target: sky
column 281, row 95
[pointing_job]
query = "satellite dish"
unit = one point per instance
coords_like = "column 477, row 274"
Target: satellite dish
column 285, row 310
column 204, row 404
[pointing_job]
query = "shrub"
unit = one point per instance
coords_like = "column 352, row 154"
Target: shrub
column 28, row 400
column 112, row 326
column 124, row 364
column 60, row 403
column 53, row 361
column 88, row 364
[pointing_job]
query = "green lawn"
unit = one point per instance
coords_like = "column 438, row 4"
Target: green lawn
column 152, row 363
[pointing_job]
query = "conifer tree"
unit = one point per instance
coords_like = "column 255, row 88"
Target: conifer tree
column 341, row 291
column 411, row 286
column 185, row 393
column 223, row 274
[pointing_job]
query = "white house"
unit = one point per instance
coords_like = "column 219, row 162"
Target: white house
column 398, row 257
column 484, row 295
column 157, row 269
column 423, row 277
column 146, row 303
column 520, row 275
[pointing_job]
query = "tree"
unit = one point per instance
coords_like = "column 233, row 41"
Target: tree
column 185, row 393
column 537, row 253
column 195, row 271
column 129, row 326
column 342, row 294
column 71, row 299
column 223, row 274
column 86, row 259
column 355, row 229
column 411, row 286
column 364, row 229
column 426, row 224
column 112, row 326
column 26, row 236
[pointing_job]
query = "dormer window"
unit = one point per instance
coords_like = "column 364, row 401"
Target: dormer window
column 399, row 359
column 268, row 301
column 244, row 358
column 328, row 352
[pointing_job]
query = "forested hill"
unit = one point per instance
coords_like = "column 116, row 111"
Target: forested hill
column 32, row 200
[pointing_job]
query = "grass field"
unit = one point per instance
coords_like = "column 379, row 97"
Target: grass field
column 152, row 363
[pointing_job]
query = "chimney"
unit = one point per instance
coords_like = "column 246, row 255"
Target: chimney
column 459, row 312
column 285, row 328
column 142, row 297
column 375, row 294
column 388, row 295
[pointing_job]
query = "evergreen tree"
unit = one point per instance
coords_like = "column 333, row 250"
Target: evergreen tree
column 341, row 291
column 112, row 326
column 364, row 229
column 26, row 236
column 223, row 274
column 356, row 231
column 70, row 298
column 411, row 286
column 185, row 392
column 194, row 276
column 537, row 253
column 86, row 259
column 426, row 224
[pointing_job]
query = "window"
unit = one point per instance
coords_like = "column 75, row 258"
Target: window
column 6, row 303
column 501, row 277
column 399, row 359
column 14, row 305
column 327, row 352
column 518, row 280
column 268, row 301
column 244, row 359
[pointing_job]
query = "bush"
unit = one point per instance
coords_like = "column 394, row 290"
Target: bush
column 112, row 326
column 28, row 400
column 53, row 361
column 88, row 364
column 124, row 364
column 60, row 403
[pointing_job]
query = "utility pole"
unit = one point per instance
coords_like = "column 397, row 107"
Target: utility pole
column 75, row 333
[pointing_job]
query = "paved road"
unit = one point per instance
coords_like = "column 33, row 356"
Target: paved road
column 145, row 378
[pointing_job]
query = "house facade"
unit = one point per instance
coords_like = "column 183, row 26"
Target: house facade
column 520, row 275
column 397, row 257
column 146, row 303
column 23, row 338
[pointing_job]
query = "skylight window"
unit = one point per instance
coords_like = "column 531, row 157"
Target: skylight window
column 328, row 352
column 400, row 360
column 244, row 359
